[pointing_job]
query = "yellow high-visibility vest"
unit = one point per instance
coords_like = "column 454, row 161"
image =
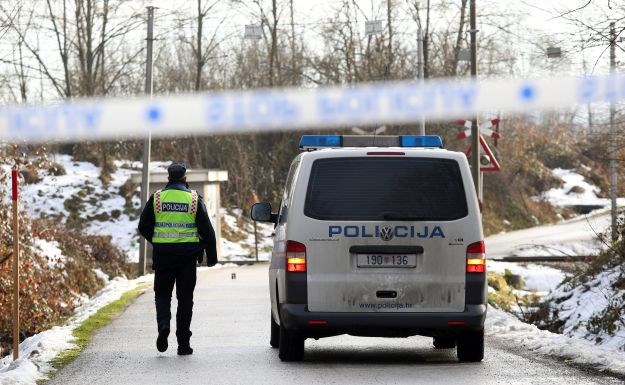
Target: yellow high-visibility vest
column 174, row 211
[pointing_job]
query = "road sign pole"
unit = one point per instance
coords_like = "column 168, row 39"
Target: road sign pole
column 16, row 266
column 147, row 144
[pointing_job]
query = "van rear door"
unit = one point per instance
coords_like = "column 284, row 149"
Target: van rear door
column 388, row 234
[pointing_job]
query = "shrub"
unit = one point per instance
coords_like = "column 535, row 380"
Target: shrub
column 49, row 292
column 56, row 169
column 30, row 174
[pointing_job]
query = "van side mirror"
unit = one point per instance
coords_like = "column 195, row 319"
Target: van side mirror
column 261, row 212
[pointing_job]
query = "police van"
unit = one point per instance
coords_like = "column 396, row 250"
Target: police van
column 377, row 236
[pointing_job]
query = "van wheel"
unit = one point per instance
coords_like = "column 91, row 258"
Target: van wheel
column 291, row 345
column 275, row 333
column 471, row 346
column 444, row 342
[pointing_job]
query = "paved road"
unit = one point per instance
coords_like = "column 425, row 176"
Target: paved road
column 231, row 342
column 584, row 228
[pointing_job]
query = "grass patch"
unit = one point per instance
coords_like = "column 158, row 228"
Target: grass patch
column 83, row 333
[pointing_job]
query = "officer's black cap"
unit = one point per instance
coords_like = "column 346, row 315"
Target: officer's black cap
column 176, row 170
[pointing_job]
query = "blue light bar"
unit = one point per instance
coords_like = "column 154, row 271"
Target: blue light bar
column 309, row 142
column 316, row 141
column 421, row 141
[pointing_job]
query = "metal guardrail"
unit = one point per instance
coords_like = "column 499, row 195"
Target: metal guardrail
column 546, row 258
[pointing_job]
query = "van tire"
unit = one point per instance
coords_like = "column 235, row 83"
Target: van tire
column 471, row 346
column 444, row 342
column 291, row 345
column 274, row 341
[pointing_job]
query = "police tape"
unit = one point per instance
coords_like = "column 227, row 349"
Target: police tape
column 257, row 110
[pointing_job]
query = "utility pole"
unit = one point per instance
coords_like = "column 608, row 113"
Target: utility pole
column 613, row 138
column 147, row 144
column 475, row 139
column 420, row 71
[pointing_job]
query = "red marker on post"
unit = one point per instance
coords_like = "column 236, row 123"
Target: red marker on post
column 14, row 178
column 16, row 267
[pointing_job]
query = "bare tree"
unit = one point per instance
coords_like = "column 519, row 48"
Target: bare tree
column 82, row 43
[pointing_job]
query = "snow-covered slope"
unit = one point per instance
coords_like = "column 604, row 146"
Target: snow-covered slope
column 102, row 207
column 582, row 308
column 575, row 191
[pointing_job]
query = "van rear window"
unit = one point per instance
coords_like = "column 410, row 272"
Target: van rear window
column 376, row 189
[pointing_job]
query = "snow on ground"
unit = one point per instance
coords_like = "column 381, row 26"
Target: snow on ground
column 592, row 247
column 531, row 339
column 51, row 250
column 245, row 248
column 82, row 184
column 577, row 306
column 82, row 187
column 567, row 195
column 541, row 279
column 36, row 352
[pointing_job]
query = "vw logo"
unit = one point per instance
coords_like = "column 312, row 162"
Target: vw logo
column 386, row 233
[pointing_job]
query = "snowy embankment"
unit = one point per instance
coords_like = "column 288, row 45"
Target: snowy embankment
column 37, row 351
column 575, row 191
column 80, row 189
column 590, row 310
column 593, row 308
column 600, row 351
column 530, row 339
column 538, row 279
column 103, row 208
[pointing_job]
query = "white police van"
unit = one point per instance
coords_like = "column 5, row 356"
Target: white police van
column 377, row 236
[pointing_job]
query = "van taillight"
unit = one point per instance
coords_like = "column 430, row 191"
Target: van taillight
column 295, row 257
column 476, row 257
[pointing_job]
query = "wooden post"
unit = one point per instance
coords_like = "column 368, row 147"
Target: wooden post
column 250, row 201
column 256, row 239
column 16, row 269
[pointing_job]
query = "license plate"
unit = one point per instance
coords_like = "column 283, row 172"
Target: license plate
column 387, row 260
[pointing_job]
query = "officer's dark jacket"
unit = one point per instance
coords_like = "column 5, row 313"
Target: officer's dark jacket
column 168, row 255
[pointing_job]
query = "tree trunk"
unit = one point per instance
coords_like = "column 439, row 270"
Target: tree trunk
column 426, row 43
column 274, row 42
column 462, row 23
column 294, row 72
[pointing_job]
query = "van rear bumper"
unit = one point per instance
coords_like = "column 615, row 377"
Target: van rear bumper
column 320, row 324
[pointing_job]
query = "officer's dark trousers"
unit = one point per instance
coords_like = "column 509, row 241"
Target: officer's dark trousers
column 184, row 277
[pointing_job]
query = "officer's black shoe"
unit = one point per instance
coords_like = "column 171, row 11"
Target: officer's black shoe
column 184, row 350
column 161, row 341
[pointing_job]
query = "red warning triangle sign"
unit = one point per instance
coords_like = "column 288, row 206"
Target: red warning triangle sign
column 494, row 165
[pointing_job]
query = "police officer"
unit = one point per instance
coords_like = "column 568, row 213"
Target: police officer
column 176, row 223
